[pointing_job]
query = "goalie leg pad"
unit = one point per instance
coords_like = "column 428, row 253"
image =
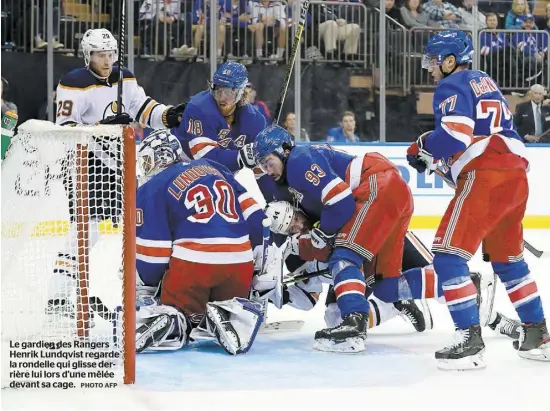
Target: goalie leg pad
column 234, row 323
column 161, row 328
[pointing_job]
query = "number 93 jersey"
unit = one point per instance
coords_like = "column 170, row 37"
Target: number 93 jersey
column 471, row 114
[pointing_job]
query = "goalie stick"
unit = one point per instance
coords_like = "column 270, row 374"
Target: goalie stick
column 537, row 253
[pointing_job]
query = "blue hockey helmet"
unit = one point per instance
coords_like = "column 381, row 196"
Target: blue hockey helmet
column 447, row 43
column 273, row 139
column 157, row 151
column 230, row 75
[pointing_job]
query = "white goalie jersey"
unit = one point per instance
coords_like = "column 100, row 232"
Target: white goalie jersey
column 84, row 99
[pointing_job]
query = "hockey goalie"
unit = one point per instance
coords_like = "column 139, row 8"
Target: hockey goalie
column 196, row 231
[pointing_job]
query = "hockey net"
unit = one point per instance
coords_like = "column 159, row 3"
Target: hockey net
column 68, row 257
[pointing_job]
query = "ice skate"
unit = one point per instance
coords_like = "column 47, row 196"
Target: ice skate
column 465, row 353
column 534, row 342
column 417, row 312
column 348, row 337
column 486, row 287
column 505, row 326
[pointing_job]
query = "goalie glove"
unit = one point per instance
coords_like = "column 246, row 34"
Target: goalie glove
column 246, row 156
column 171, row 117
column 419, row 158
column 122, row 119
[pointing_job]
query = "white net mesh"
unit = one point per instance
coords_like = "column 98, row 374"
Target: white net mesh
column 62, row 256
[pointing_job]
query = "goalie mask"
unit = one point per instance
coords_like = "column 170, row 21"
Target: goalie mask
column 158, row 151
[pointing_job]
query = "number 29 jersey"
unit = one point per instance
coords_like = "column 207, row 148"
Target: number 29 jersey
column 471, row 114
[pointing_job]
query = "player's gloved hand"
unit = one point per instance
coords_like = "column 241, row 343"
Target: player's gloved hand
column 172, row 115
column 419, row 158
column 292, row 246
column 246, row 156
column 122, row 119
column 320, row 239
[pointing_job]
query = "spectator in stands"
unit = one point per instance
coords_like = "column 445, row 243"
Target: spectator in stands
column 164, row 16
column 250, row 93
column 337, row 28
column 201, row 19
column 531, row 47
column 290, row 125
column 6, row 105
column 442, row 14
column 413, row 15
column 41, row 28
column 516, row 16
column 393, row 11
column 239, row 39
column 267, row 14
column 346, row 132
column 469, row 22
column 530, row 116
column 496, row 54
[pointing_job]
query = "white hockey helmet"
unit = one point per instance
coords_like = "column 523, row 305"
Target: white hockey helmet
column 97, row 40
column 281, row 214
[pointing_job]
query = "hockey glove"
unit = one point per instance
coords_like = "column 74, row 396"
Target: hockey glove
column 122, row 119
column 419, row 158
column 172, row 115
column 246, row 156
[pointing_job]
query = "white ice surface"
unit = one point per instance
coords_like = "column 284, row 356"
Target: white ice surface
column 283, row 372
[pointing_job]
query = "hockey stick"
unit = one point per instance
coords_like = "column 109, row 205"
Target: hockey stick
column 121, row 51
column 291, row 60
column 537, row 253
column 306, row 276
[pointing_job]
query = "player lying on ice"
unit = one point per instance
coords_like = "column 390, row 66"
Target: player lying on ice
column 484, row 156
column 196, row 229
column 288, row 220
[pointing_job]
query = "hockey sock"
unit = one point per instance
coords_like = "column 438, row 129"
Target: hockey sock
column 458, row 289
column 380, row 311
column 349, row 282
column 522, row 290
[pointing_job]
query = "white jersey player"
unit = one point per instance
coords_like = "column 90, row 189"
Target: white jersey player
column 88, row 96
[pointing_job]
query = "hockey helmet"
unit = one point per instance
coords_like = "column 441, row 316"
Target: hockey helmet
column 281, row 214
column 156, row 152
column 97, row 40
column 230, row 75
column 447, row 43
column 273, row 139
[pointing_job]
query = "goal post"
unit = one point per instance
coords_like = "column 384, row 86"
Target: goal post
column 68, row 256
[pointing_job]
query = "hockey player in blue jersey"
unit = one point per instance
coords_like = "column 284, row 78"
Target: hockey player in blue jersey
column 364, row 207
column 196, row 227
column 219, row 123
column 484, row 156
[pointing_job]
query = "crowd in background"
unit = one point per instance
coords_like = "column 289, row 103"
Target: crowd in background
column 257, row 32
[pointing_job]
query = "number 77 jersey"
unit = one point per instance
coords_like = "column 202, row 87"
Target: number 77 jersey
column 471, row 114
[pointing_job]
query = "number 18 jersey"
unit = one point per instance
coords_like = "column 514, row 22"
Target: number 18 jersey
column 471, row 114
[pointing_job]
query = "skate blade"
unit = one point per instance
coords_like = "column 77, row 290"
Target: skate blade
column 541, row 353
column 352, row 345
column 472, row 362
column 488, row 285
column 427, row 314
column 153, row 333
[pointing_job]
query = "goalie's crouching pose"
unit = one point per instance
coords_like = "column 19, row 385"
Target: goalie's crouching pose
column 290, row 221
column 196, row 229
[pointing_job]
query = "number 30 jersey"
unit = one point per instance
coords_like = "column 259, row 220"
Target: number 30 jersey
column 194, row 212
column 471, row 114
